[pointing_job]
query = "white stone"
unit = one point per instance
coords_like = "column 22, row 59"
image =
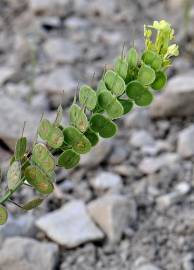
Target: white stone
column 5, row 74
column 70, row 226
column 141, row 138
column 113, row 213
column 186, row 142
column 106, row 181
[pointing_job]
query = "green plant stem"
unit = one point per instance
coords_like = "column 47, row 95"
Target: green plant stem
column 9, row 193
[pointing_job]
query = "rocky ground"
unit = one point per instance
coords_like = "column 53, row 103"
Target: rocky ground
column 130, row 203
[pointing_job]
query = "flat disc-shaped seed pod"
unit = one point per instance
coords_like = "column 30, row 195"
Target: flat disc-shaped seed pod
column 146, row 75
column 121, row 67
column 3, row 215
column 77, row 140
column 105, row 99
column 20, row 148
column 160, row 81
column 59, row 116
column 44, row 129
column 152, row 59
column 101, row 124
column 98, row 109
column 88, row 97
column 145, row 99
column 127, row 105
column 14, row 175
column 43, row 158
column 68, row 159
column 114, row 82
column 55, row 138
column 34, row 203
column 78, row 118
column 92, row 136
column 101, row 87
column 38, row 179
column 115, row 110
column 132, row 58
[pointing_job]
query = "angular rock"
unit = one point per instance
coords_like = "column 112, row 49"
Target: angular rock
column 113, row 213
column 13, row 114
column 141, row 138
column 97, row 154
column 70, row 226
column 56, row 83
column 5, row 74
column 178, row 98
column 186, row 142
column 106, row 181
column 62, row 51
column 150, row 165
column 27, row 254
column 138, row 118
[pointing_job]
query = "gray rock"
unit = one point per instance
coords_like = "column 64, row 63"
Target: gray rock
column 150, row 165
column 97, row 154
column 13, row 114
column 113, row 213
column 106, row 181
column 70, row 226
column 62, row 51
column 147, row 267
column 137, row 119
column 51, row 7
column 141, row 138
column 6, row 73
column 178, row 98
column 56, row 83
column 186, row 143
column 118, row 155
column 27, row 254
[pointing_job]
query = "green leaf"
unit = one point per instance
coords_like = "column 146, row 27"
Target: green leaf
column 59, row 116
column 152, row 59
column 68, row 159
column 132, row 58
column 92, row 136
column 127, row 105
column 44, row 129
column 121, row 67
column 55, row 137
column 87, row 97
column 78, row 118
column 136, row 91
column 114, row 83
column 20, row 148
column 38, row 179
column 43, row 158
column 160, row 81
column 14, row 175
column 77, row 140
column 146, row 75
column 101, row 124
column 34, row 203
column 3, row 215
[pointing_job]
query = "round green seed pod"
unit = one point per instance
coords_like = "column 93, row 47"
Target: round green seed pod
column 105, row 99
column 77, row 140
column 14, row 175
column 136, row 91
column 34, row 203
column 127, row 105
column 101, row 87
column 146, row 75
column 132, row 58
column 78, row 118
column 3, row 215
column 114, row 83
column 55, row 138
column 92, row 136
column 101, row 124
column 38, row 179
column 88, row 97
column 121, row 67
column 20, row 148
column 160, row 81
column 43, row 158
column 44, row 129
column 68, row 159
column 152, row 59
